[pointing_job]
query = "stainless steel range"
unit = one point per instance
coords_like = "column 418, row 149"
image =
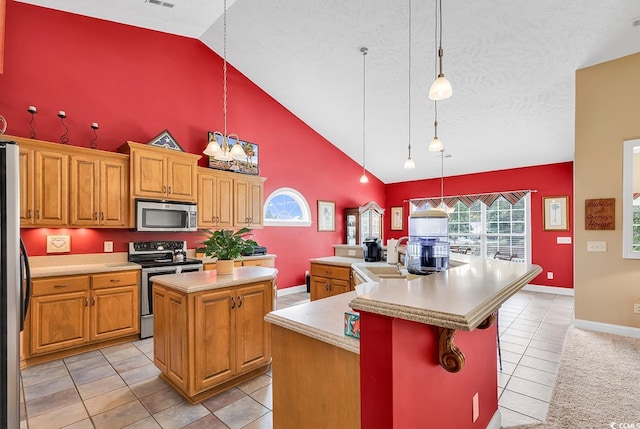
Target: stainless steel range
column 157, row 258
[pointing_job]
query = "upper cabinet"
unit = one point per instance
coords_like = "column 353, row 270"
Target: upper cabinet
column 44, row 175
column 227, row 200
column 161, row 173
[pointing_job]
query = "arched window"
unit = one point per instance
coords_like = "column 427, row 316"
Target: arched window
column 286, row 207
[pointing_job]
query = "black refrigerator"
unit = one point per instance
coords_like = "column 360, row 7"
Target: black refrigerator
column 14, row 285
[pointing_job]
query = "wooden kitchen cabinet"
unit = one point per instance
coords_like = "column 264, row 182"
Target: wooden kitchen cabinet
column 70, row 312
column 215, row 199
column 161, row 173
column 44, row 175
column 328, row 280
column 256, row 261
column 247, row 205
column 205, row 342
column 99, row 190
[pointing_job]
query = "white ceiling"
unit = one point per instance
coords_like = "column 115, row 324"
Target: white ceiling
column 511, row 63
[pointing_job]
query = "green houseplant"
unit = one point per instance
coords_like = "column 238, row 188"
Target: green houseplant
column 226, row 245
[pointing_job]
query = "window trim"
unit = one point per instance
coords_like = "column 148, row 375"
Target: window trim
column 302, row 203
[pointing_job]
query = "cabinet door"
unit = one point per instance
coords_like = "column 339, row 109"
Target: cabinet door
column 255, row 203
column 59, row 321
column 114, row 192
column 149, row 174
column 224, row 202
column 114, row 312
column 214, row 338
column 319, row 287
column 51, row 188
column 27, row 179
column 262, row 262
column 253, row 339
column 84, row 190
column 206, row 200
column 242, row 203
column 181, row 179
column 339, row 286
column 170, row 334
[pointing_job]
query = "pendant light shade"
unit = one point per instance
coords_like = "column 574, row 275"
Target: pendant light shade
column 409, row 164
column 223, row 150
column 441, row 88
column 363, row 51
column 435, row 145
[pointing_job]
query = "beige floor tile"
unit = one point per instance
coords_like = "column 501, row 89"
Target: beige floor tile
column 514, row 339
column 180, row 415
column 223, row 399
column 110, row 400
column 138, row 374
column 508, row 356
column 162, row 400
column 84, row 364
column 543, row 365
column 264, row 422
column 99, row 387
column 121, row 354
column 148, row 386
column 252, row 385
column 241, row 413
column 543, row 354
column 83, row 424
column 508, row 367
column 121, row 416
column 59, row 418
column 530, row 388
column 125, row 365
column 47, row 387
column 536, row 375
column 519, row 333
column 523, row 404
column 511, row 418
column 207, row 422
column 512, row 347
column 92, row 374
column 39, row 374
column 52, row 402
column 503, row 379
column 148, row 423
column 551, row 347
column 82, row 356
column 264, row 396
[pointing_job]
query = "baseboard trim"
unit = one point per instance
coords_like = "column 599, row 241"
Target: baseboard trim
column 607, row 328
column 290, row 290
column 550, row 289
column 496, row 420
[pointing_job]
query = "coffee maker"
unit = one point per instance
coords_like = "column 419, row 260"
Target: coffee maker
column 372, row 248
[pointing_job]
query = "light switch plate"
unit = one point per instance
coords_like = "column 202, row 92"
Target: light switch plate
column 58, row 243
column 596, row 246
column 563, row 240
column 108, row 246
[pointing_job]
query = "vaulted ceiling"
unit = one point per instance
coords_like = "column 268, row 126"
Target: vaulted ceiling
column 511, row 63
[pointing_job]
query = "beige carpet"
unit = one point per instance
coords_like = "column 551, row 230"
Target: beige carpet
column 598, row 383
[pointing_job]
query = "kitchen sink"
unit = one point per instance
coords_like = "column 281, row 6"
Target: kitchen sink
column 391, row 272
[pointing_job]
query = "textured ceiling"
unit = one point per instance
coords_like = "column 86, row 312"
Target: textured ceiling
column 511, row 63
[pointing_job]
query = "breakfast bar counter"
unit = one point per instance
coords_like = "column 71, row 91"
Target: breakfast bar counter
column 427, row 348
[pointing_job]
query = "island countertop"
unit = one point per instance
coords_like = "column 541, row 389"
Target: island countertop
column 198, row 281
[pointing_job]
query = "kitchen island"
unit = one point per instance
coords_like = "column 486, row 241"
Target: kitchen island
column 426, row 355
column 209, row 329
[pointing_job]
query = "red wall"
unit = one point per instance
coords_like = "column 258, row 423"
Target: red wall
column 136, row 83
column 548, row 180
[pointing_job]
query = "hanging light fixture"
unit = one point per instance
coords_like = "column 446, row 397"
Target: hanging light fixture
column 441, row 88
column 409, row 164
column 436, row 144
column 442, row 206
column 363, row 50
column 224, row 150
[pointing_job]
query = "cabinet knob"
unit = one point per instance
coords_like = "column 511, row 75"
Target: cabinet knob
column 37, row 214
column 86, row 302
column 233, row 302
column 60, row 286
column 164, row 189
column 114, row 280
column 93, row 301
column 29, row 213
column 95, row 215
column 239, row 301
column 169, row 189
column 101, row 215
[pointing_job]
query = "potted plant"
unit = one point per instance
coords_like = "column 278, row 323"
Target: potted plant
column 226, row 245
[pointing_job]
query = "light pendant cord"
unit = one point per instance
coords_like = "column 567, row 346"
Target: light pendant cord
column 409, row 120
column 442, row 177
column 224, row 75
column 364, row 112
column 440, row 44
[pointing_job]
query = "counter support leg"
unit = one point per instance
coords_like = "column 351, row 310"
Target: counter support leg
column 450, row 356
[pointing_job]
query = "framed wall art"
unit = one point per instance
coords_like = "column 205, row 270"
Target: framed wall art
column 166, row 140
column 326, row 215
column 555, row 212
column 397, row 218
column 249, row 165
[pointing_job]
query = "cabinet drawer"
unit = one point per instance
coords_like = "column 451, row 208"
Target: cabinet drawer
column 266, row 262
column 331, row 271
column 125, row 278
column 54, row 285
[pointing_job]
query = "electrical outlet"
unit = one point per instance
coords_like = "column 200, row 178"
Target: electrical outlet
column 636, row 308
column 351, row 252
column 596, row 246
column 476, row 407
column 549, row 275
column 108, row 246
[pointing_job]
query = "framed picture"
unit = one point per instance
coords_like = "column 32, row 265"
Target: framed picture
column 166, row 140
column 396, row 218
column 249, row 165
column 326, row 215
column 555, row 213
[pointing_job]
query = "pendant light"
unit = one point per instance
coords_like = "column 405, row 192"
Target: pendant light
column 363, row 50
column 442, row 206
column 441, row 88
column 436, row 144
column 225, row 151
column 409, row 164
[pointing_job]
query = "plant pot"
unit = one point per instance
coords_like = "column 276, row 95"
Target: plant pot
column 224, row 266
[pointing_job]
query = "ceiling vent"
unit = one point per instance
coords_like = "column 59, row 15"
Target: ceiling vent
column 160, row 3
column 635, row 22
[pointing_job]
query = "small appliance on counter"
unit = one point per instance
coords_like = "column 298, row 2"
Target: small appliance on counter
column 257, row 250
column 372, row 247
column 428, row 245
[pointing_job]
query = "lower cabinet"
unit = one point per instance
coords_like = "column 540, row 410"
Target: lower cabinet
column 266, row 261
column 67, row 312
column 329, row 280
column 207, row 341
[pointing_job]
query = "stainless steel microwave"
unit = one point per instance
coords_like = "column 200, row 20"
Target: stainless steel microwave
column 166, row 216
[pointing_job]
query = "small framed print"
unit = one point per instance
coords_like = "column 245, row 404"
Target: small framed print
column 555, row 213
column 326, row 215
column 166, row 140
column 396, row 218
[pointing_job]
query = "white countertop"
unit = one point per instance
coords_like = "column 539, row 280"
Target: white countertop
column 208, row 260
column 322, row 319
column 198, row 281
